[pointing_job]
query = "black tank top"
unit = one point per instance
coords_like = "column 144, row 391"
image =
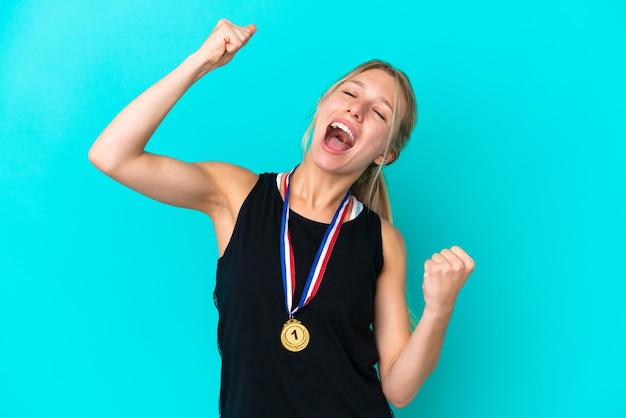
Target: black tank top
column 334, row 376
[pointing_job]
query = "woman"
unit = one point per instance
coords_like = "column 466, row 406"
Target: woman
column 310, row 285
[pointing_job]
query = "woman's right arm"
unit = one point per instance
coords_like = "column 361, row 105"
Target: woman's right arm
column 217, row 189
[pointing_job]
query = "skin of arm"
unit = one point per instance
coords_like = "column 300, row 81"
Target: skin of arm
column 218, row 189
column 407, row 359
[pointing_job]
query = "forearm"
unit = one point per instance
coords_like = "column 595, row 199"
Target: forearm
column 417, row 360
column 127, row 135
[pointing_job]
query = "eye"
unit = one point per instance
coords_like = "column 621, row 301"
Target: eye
column 380, row 115
column 349, row 93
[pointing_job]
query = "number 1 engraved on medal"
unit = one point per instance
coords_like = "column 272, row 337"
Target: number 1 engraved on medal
column 294, row 336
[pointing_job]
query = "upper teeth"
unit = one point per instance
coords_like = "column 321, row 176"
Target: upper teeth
column 344, row 128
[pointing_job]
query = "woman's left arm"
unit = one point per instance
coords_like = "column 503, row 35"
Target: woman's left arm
column 407, row 359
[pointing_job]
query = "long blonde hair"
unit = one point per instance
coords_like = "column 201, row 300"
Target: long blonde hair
column 371, row 188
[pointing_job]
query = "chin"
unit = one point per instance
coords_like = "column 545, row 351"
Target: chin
column 332, row 165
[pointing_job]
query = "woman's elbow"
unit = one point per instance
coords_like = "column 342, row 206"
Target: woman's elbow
column 98, row 160
column 400, row 402
column 103, row 159
column 397, row 399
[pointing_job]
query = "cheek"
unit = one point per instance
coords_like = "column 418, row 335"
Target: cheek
column 333, row 101
column 322, row 112
column 379, row 138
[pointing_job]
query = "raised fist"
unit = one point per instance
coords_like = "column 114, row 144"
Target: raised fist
column 224, row 41
column 445, row 273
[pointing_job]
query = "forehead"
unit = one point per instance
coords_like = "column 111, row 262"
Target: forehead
column 375, row 79
column 381, row 84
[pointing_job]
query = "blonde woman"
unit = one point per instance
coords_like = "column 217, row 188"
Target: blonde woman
column 311, row 276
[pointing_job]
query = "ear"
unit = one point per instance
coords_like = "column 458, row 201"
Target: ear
column 385, row 160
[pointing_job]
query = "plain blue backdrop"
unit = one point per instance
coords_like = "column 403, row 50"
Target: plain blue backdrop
column 106, row 305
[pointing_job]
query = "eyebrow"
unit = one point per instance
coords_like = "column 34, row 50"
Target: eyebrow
column 362, row 85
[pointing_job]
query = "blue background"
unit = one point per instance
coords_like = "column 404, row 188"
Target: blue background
column 106, row 302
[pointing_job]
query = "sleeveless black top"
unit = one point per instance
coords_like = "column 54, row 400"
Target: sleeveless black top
column 334, row 376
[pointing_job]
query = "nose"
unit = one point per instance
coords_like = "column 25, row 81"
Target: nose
column 355, row 111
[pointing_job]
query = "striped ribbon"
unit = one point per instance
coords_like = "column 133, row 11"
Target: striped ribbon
column 321, row 258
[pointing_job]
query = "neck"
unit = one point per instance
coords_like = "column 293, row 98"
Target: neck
column 316, row 194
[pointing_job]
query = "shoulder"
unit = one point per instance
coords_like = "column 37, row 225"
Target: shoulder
column 232, row 181
column 230, row 185
column 393, row 241
column 392, row 278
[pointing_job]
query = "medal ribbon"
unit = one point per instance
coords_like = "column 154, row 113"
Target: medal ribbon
column 321, row 258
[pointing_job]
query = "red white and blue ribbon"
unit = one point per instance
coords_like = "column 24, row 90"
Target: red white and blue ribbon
column 321, row 258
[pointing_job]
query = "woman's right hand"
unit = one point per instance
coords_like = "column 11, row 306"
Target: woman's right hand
column 216, row 189
column 223, row 42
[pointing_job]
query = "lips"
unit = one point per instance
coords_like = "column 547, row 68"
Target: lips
column 340, row 136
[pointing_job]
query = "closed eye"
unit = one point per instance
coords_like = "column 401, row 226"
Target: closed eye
column 380, row 115
column 349, row 94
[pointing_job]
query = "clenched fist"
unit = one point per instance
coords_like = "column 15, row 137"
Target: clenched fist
column 223, row 42
column 445, row 274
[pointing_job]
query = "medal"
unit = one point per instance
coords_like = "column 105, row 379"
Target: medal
column 295, row 336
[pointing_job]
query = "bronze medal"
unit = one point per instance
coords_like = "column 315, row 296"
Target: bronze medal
column 294, row 336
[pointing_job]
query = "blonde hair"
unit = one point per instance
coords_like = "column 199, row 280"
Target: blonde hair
column 371, row 188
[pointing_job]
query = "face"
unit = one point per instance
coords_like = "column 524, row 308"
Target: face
column 353, row 123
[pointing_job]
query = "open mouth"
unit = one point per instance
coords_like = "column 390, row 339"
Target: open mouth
column 339, row 137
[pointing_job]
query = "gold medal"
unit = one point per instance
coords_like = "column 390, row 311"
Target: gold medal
column 294, row 336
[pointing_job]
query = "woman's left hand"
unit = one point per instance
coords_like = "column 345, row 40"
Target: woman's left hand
column 445, row 273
